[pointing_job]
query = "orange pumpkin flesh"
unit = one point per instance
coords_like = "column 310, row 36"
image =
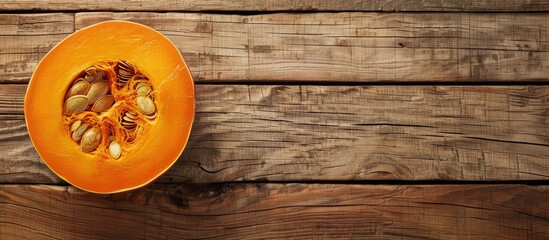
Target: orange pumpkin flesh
column 160, row 142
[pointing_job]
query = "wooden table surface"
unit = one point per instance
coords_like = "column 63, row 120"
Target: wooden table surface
column 383, row 119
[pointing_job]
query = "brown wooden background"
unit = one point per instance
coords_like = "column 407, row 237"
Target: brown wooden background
column 383, row 119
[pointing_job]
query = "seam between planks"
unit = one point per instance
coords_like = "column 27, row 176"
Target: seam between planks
column 333, row 182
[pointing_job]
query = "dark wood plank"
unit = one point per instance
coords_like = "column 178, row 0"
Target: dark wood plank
column 282, row 211
column 278, row 5
column 26, row 38
column 319, row 47
column 290, row 133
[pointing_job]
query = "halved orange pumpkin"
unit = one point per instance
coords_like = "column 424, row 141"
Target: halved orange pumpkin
column 144, row 152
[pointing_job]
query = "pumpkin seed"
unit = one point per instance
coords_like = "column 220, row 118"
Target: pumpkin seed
column 77, row 134
column 115, row 150
column 78, row 88
column 76, row 105
column 98, row 76
column 129, row 124
column 125, row 76
column 125, row 71
column 75, row 125
column 90, row 140
column 126, row 65
column 145, row 105
column 151, row 116
column 132, row 115
column 91, row 71
column 128, row 119
column 103, row 104
column 97, row 90
column 89, row 79
column 143, row 89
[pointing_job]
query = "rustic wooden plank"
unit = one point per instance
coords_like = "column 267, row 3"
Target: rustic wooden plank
column 365, row 47
column 288, row 133
column 277, row 5
column 26, row 38
column 265, row 211
column 12, row 98
column 332, row 47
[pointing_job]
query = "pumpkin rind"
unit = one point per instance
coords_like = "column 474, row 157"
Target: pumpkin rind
column 161, row 143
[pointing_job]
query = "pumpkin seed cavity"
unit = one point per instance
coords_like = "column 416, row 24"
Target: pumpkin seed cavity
column 107, row 106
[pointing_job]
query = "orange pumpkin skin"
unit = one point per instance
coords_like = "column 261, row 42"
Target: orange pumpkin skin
column 161, row 142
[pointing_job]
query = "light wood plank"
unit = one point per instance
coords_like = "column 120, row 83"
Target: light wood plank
column 320, row 47
column 26, row 38
column 282, row 211
column 289, row 133
column 277, row 5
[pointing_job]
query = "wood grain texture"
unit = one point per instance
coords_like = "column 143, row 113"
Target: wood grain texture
column 26, row 38
column 364, row 47
column 295, row 133
column 277, row 5
column 319, row 47
column 282, row 211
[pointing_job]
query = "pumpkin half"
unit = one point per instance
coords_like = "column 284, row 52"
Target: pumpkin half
column 110, row 108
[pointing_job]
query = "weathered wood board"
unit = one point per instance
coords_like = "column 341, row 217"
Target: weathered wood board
column 293, row 133
column 26, row 38
column 282, row 211
column 317, row 47
column 356, row 47
column 277, row 5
